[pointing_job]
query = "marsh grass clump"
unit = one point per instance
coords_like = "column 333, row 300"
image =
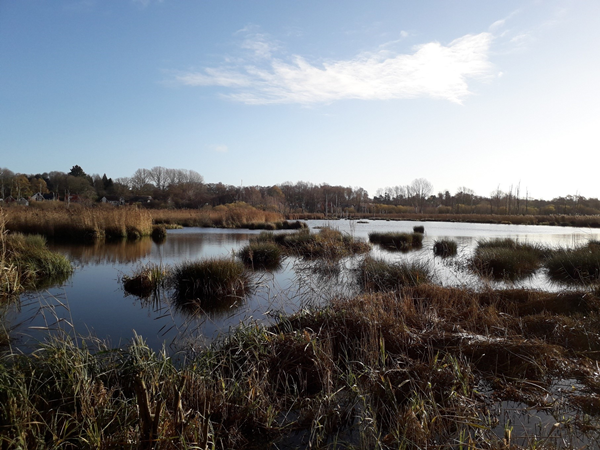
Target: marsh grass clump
column 209, row 281
column 580, row 265
column 327, row 243
column 419, row 229
column 159, row 233
column 146, row 280
column 507, row 258
column 445, row 248
column 27, row 263
column 378, row 275
column 397, row 241
column 264, row 254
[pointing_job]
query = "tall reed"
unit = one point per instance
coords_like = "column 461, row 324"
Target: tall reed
column 81, row 224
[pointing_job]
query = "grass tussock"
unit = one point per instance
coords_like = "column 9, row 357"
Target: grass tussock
column 26, row 262
column 81, row 224
column 210, row 281
column 378, row 275
column 507, row 258
column 159, row 233
column 580, row 265
column 327, row 243
column 445, row 248
column 233, row 215
column 397, row 241
column 265, row 255
column 413, row 368
column 146, row 280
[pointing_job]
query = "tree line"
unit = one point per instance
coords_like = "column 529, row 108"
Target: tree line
column 161, row 187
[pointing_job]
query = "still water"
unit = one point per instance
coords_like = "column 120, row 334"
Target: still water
column 92, row 301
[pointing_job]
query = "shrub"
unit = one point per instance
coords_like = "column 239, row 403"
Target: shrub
column 378, row 275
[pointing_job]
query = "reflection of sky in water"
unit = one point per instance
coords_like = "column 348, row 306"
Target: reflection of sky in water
column 96, row 303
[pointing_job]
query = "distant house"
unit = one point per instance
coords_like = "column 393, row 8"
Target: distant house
column 9, row 199
column 23, row 201
column 37, row 197
column 113, row 200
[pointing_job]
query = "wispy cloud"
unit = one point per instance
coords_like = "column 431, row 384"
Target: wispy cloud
column 220, row 148
column 431, row 70
column 145, row 3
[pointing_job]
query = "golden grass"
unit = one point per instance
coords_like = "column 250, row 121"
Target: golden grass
column 81, row 224
column 233, row 215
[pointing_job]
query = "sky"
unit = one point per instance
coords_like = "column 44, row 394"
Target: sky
column 469, row 93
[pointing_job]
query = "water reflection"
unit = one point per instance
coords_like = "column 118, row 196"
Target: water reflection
column 94, row 301
column 109, row 252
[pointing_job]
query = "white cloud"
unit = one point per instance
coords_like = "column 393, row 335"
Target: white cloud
column 219, row 148
column 432, row 70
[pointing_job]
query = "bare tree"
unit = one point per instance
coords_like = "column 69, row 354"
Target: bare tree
column 421, row 190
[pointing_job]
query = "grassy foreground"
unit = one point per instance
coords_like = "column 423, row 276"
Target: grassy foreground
column 421, row 367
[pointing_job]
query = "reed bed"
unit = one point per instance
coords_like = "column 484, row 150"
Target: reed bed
column 397, row 241
column 420, row 367
column 233, row 215
column 81, row 224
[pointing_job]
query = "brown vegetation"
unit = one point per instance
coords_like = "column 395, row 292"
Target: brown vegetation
column 234, row 215
column 80, row 224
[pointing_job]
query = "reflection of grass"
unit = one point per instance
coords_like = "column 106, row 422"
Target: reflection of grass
column 507, row 258
column 576, row 265
column 382, row 276
column 397, row 241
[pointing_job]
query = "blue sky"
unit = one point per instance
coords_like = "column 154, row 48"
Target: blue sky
column 478, row 94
